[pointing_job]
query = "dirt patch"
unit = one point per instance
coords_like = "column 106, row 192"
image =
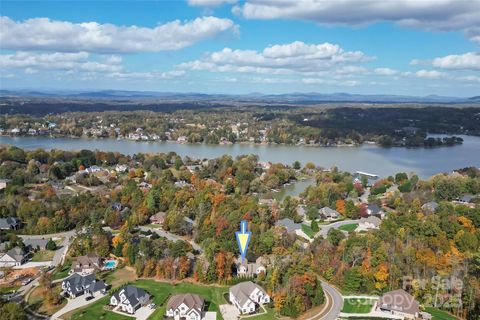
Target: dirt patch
column 15, row 277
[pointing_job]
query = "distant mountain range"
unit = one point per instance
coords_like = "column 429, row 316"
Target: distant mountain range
column 302, row 98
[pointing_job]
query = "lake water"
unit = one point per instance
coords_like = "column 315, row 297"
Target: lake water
column 368, row 158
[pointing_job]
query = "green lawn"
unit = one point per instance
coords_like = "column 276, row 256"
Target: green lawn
column 270, row 315
column 161, row 292
column 43, row 255
column 4, row 289
column 348, row 227
column 308, row 231
column 96, row 311
column 357, row 305
column 439, row 314
column 62, row 272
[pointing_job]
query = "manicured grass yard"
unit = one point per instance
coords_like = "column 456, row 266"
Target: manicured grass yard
column 308, row 231
column 357, row 305
column 96, row 311
column 43, row 255
column 161, row 292
column 349, row 227
column 62, row 272
column 118, row 277
column 439, row 314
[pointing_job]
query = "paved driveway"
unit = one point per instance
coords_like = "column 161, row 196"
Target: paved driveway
column 76, row 303
column 229, row 312
column 326, row 227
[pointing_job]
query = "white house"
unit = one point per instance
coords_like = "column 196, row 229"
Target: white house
column 246, row 296
column 329, row 214
column 77, row 284
column 185, row 306
column 369, row 223
column 129, row 299
column 13, row 258
column 246, row 269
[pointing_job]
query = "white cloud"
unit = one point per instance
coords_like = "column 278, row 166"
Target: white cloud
column 210, row 3
column 469, row 79
column 430, row 74
column 385, row 71
column 293, row 58
column 56, row 61
column 445, row 15
column 50, row 35
column 348, row 83
column 466, row 61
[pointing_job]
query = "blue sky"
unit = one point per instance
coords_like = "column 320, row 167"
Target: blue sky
column 228, row 46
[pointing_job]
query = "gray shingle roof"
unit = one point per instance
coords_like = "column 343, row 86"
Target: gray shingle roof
column 133, row 294
column 399, row 300
column 243, row 290
column 192, row 301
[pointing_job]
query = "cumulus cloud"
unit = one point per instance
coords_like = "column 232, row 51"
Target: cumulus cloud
column 385, row 71
column 209, row 3
column 445, row 15
column 51, row 35
column 430, row 74
column 293, row 58
column 466, row 61
column 32, row 62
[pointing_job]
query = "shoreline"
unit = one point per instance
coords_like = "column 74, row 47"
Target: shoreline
column 247, row 143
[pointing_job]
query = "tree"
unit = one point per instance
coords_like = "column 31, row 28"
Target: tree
column 12, row 311
column 297, row 165
column 334, row 236
column 352, row 279
column 314, row 226
column 51, row 245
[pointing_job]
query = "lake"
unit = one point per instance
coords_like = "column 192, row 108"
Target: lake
column 369, row 158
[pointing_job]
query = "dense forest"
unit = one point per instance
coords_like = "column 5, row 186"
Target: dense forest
column 411, row 244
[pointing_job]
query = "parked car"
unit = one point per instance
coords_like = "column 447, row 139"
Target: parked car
column 152, row 305
column 26, row 281
column 88, row 298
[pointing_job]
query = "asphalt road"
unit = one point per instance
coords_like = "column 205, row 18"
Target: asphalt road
column 326, row 227
column 171, row 236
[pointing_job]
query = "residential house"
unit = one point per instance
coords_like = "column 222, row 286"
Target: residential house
column 13, row 258
column 129, row 299
column 329, row 214
column 246, row 296
column 399, row 303
column 10, row 223
column 246, row 269
column 430, row 207
column 289, row 224
column 369, row 223
column 3, row 184
column 374, row 209
column 185, row 306
column 120, row 168
column 77, row 284
column 301, row 211
column 36, row 244
column 87, row 264
column 158, row 218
